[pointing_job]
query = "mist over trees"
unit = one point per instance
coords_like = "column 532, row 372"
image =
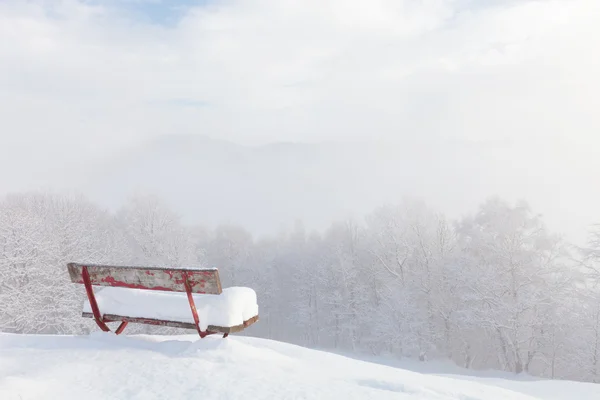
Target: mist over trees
column 495, row 289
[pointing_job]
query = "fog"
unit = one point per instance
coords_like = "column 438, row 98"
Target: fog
column 277, row 118
column 491, row 98
column 267, row 188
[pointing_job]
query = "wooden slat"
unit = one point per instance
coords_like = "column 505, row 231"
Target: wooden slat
column 174, row 324
column 233, row 329
column 151, row 278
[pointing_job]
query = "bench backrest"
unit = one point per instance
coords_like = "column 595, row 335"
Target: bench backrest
column 150, row 278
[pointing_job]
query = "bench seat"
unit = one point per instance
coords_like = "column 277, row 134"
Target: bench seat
column 231, row 311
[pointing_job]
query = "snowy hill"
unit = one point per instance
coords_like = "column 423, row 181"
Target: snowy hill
column 104, row 366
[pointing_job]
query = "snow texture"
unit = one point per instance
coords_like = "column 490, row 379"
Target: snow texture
column 230, row 308
column 105, row 366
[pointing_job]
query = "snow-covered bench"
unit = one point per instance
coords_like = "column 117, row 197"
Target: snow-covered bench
column 177, row 297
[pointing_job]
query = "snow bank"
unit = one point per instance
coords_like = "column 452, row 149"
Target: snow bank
column 105, row 366
column 230, row 308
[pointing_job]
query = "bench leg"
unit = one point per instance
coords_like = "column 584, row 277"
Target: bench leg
column 121, row 327
column 188, row 290
column 92, row 298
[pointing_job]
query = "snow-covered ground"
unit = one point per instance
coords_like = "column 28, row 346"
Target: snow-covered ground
column 104, row 366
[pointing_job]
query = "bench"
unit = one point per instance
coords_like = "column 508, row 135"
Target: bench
column 190, row 298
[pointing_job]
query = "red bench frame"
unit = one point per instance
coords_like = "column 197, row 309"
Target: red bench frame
column 191, row 281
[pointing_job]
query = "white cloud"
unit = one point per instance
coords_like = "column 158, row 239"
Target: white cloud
column 300, row 69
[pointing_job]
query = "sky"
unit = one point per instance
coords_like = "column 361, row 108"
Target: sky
column 82, row 79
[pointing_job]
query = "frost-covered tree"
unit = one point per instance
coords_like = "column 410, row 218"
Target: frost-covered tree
column 41, row 233
column 229, row 250
column 155, row 233
column 509, row 263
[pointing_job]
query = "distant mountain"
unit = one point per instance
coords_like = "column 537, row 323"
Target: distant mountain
column 262, row 188
column 266, row 188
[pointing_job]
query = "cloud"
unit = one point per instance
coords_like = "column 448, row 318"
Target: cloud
column 301, row 70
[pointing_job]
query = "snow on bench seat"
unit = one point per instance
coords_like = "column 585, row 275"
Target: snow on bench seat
column 227, row 312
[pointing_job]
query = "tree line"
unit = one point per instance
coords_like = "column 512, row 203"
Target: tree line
column 492, row 290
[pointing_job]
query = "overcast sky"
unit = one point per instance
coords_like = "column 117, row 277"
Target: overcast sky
column 84, row 78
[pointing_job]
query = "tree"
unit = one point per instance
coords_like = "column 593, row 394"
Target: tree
column 509, row 260
column 156, row 233
column 40, row 233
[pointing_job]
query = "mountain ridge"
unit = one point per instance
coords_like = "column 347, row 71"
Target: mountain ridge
column 267, row 187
